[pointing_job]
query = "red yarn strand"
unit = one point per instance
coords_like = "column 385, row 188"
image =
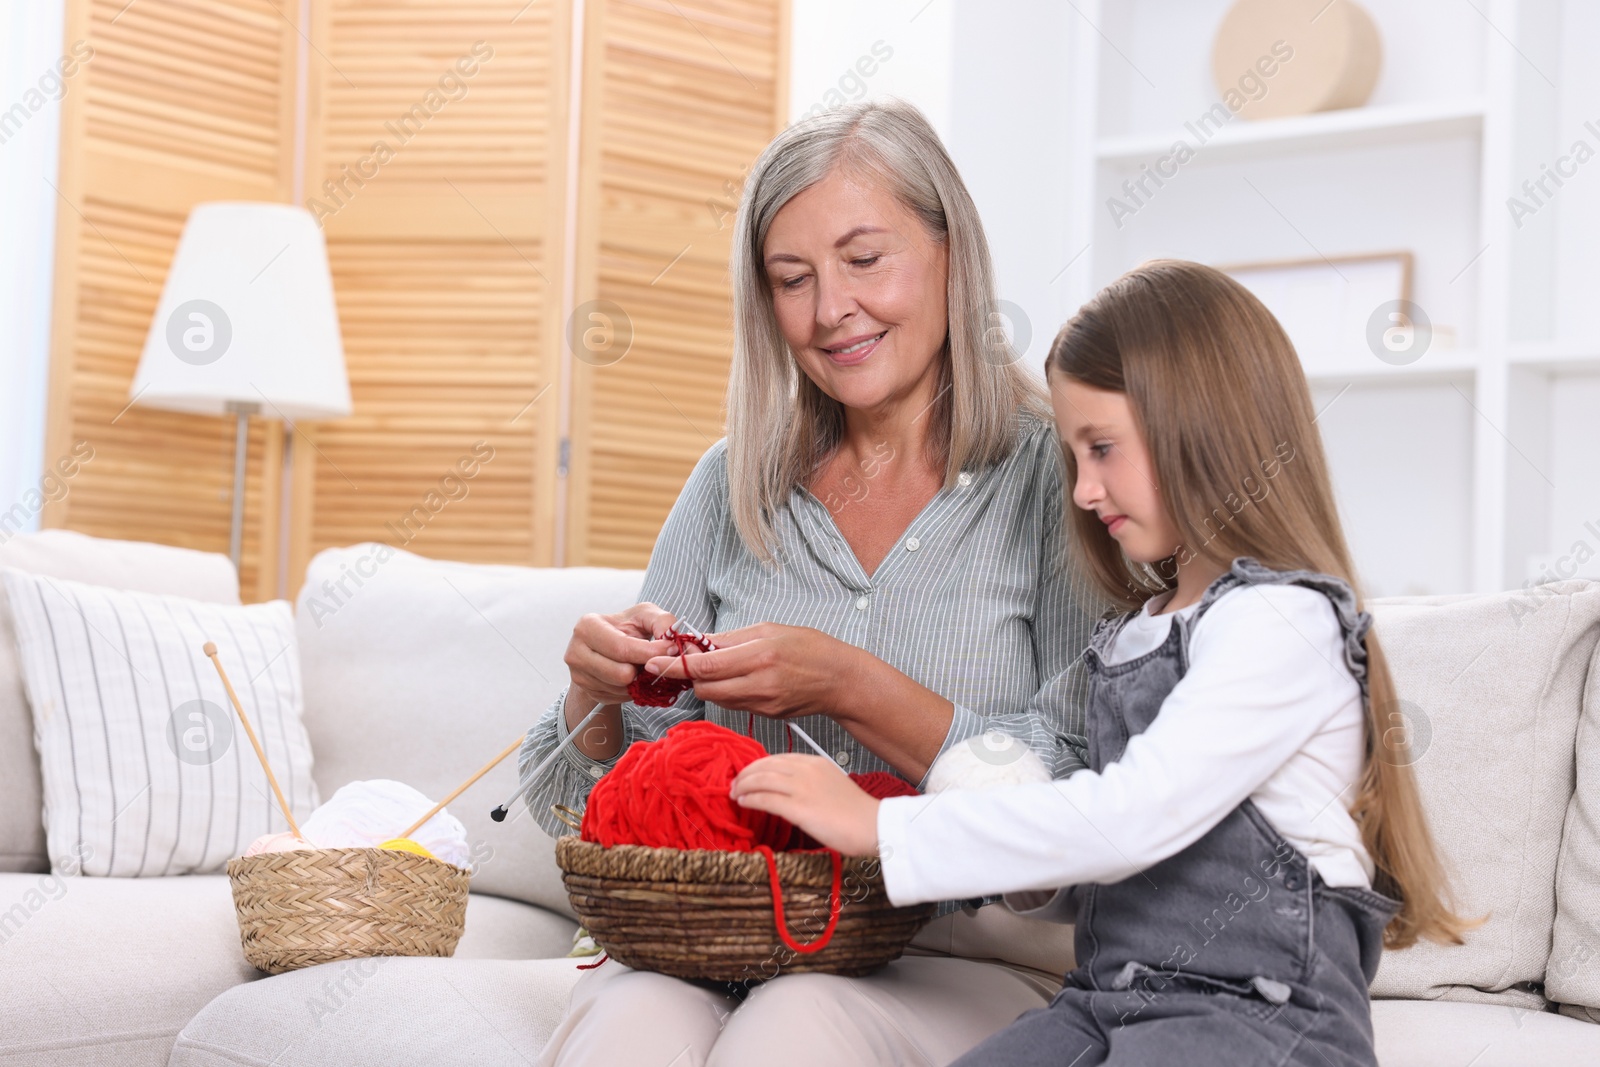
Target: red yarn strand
column 750, row 731
column 835, row 904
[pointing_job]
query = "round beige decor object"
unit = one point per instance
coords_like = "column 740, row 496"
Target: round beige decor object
column 1274, row 58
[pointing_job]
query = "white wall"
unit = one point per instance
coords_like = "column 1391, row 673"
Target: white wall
column 830, row 37
column 996, row 96
column 29, row 47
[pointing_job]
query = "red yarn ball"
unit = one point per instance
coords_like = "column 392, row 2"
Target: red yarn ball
column 673, row 793
column 879, row 784
column 883, row 785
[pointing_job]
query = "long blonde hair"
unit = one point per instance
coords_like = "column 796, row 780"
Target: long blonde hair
column 780, row 424
column 1224, row 407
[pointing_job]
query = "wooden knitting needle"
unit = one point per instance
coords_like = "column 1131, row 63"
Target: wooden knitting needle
column 462, row 788
column 210, row 649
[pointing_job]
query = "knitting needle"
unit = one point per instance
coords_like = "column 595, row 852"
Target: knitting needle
column 462, row 788
column 703, row 639
column 818, row 749
column 210, row 649
column 499, row 814
column 690, row 627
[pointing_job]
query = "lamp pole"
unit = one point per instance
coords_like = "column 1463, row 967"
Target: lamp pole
column 241, row 410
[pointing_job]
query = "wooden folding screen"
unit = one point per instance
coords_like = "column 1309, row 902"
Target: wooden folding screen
column 436, row 160
column 679, row 99
column 174, row 103
column 436, row 157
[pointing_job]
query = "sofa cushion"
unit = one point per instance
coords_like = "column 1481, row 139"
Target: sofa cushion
column 1573, row 977
column 146, row 769
column 1419, row 1033
column 421, row 670
column 108, row 970
column 1490, row 691
column 404, row 1011
column 393, row 1011
column 119, row 564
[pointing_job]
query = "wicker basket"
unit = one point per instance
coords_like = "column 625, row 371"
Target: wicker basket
column 702, row 914
column 314, row 906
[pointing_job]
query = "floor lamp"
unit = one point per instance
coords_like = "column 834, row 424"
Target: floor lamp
column 246, row 326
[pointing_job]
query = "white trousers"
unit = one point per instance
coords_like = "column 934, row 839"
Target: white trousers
column 965, row 977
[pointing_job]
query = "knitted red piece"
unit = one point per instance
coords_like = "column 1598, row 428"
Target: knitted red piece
column 673, row 793
column 657, row 691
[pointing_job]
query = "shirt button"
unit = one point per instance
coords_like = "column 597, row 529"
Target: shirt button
column 595, row 772
column 843, row 758
column 863, row 603
column 963, row 479
column 913, row 543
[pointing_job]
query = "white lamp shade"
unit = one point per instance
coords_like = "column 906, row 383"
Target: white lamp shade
column 247, row 317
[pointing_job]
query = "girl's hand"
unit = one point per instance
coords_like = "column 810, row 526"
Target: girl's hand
column 815, row 795
column 773, row 670
column 606, row 652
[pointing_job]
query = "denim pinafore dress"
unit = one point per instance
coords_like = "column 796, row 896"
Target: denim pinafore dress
column 1232, row 951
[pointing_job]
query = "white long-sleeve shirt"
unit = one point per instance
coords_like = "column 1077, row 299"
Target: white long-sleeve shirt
column 1268, row 710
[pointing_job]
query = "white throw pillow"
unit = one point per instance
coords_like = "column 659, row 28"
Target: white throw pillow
column 146, row 770
column 67, row 554
column 1573, row 976
column 1490, row 692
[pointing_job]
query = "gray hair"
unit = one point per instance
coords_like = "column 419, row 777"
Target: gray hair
column 781, row 426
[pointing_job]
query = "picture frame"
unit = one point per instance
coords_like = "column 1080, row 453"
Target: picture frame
column 1325, row 303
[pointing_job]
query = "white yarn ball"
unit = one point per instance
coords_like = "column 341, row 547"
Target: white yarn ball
column 366, row 814
column 990, row 759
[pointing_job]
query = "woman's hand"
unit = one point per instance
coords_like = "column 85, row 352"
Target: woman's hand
column 788, row 671
column 606, row 652
column 815, row 795
column 773, row 670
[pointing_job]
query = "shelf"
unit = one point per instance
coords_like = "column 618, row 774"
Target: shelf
column 1458, row 468
column 1449, row 365
column 1556, row 355
column 1349, row 128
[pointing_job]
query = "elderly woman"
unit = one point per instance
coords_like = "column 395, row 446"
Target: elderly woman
column 877, row 550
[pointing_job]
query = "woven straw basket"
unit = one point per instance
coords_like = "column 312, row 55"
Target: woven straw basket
column 314, row 906
column 702, row 914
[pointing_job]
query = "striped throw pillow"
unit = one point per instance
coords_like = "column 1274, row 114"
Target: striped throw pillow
column 146, row 769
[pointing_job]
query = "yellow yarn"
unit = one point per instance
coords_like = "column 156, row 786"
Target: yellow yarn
column 405, row 844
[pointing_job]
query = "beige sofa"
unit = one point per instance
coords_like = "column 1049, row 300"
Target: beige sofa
column 419, row 670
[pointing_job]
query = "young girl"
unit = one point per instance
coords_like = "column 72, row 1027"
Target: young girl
column 1249, row 835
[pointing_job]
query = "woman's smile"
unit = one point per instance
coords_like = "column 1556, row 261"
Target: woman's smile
column 854, row 350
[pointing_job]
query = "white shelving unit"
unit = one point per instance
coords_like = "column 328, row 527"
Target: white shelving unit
column 1350, row 128
column 1478, row 465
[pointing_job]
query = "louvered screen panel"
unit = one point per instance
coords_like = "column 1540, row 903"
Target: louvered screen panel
column 679, row 99
column 180, row 103
column 445, row 247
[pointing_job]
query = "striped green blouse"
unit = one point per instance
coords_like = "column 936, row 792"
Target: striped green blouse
column 976, row 601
